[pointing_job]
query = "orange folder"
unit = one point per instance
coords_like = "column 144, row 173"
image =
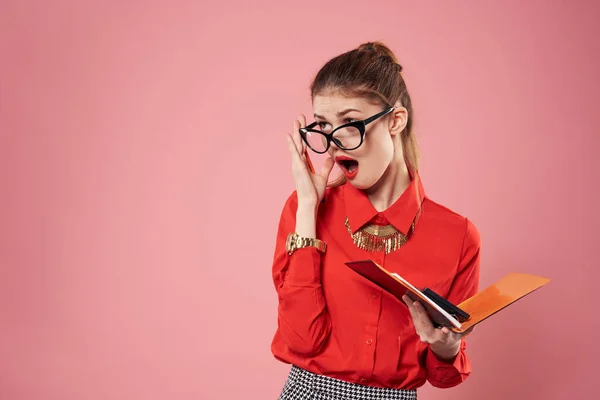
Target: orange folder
column 481, row 306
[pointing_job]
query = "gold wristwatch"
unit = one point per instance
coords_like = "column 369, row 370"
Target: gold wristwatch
column 295, row 242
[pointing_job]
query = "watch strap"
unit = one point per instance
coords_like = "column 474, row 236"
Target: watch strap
column 295, row 242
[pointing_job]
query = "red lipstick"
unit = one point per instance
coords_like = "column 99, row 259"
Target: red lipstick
column 348, row 165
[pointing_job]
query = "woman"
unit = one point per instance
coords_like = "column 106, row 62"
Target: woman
column 345, row 337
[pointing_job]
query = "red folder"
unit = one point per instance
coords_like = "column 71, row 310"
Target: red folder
column 479, row 307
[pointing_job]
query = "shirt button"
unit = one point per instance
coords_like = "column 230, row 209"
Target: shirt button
column 369, row 341
column 363, row 380
column 375, row 295
column 380, row 219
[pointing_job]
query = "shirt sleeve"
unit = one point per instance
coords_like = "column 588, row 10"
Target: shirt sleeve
column 446, row 374
column 303, row 321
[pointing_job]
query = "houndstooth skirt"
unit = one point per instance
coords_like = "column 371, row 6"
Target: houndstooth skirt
column 304, row 385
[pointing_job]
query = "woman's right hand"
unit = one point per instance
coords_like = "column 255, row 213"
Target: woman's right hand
column 310, row 187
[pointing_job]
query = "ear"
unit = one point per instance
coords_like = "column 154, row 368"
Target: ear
column 398, row 120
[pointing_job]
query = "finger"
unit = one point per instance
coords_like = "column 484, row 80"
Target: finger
column 411, row 306
column 327, row 167
column 298, row 163
column 420, row 310
column 409, row 303
column 421, row 329
column 296, row 136
column 426, row 323
column 302, row 120
column 411, row 309
column 291, row 145
column 302, row 124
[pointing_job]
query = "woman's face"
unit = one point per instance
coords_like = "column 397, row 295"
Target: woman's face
column 365, row 165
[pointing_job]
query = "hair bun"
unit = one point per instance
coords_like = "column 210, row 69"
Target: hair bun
column 381, row 50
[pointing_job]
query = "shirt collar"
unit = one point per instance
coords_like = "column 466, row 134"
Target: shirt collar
column 401, row 214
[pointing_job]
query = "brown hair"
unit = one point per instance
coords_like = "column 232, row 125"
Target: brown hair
column 372, row 71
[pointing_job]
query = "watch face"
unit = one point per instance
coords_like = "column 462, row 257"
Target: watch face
column 289, row 242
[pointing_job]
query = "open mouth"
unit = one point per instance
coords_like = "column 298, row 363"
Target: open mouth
column 348, row 166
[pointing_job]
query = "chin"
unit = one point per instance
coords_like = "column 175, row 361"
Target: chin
column 363, row 183
column 373, row 180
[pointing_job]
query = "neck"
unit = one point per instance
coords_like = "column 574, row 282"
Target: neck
column 390, row 186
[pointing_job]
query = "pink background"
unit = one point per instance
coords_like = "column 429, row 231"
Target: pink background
column 143, row 167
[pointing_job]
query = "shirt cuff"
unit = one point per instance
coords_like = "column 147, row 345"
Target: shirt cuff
column 304, row 267
column 449, row 373
column 442, row 365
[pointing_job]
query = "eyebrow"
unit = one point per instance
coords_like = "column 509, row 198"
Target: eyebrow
column 338, row 114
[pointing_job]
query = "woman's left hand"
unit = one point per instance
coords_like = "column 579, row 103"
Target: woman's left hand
column 442, row 341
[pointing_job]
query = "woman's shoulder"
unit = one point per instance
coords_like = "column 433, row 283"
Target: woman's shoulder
column 449, row 220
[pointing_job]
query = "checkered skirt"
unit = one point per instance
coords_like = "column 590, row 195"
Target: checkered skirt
column 304, row 385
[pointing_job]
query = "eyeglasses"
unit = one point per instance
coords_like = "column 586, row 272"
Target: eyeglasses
column 349, row 136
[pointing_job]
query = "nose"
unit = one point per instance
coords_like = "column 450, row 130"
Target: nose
column 333, row 148
column 332, row 151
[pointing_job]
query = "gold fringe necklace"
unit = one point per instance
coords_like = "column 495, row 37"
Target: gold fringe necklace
column 373, row 237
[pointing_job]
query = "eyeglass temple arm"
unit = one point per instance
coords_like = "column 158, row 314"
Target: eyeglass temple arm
column 309, row 163
column 381, row 114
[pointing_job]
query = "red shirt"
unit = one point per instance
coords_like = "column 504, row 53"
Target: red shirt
column 333, row 322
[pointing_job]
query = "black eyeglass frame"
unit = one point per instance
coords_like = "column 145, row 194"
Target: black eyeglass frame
column 360, row 125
